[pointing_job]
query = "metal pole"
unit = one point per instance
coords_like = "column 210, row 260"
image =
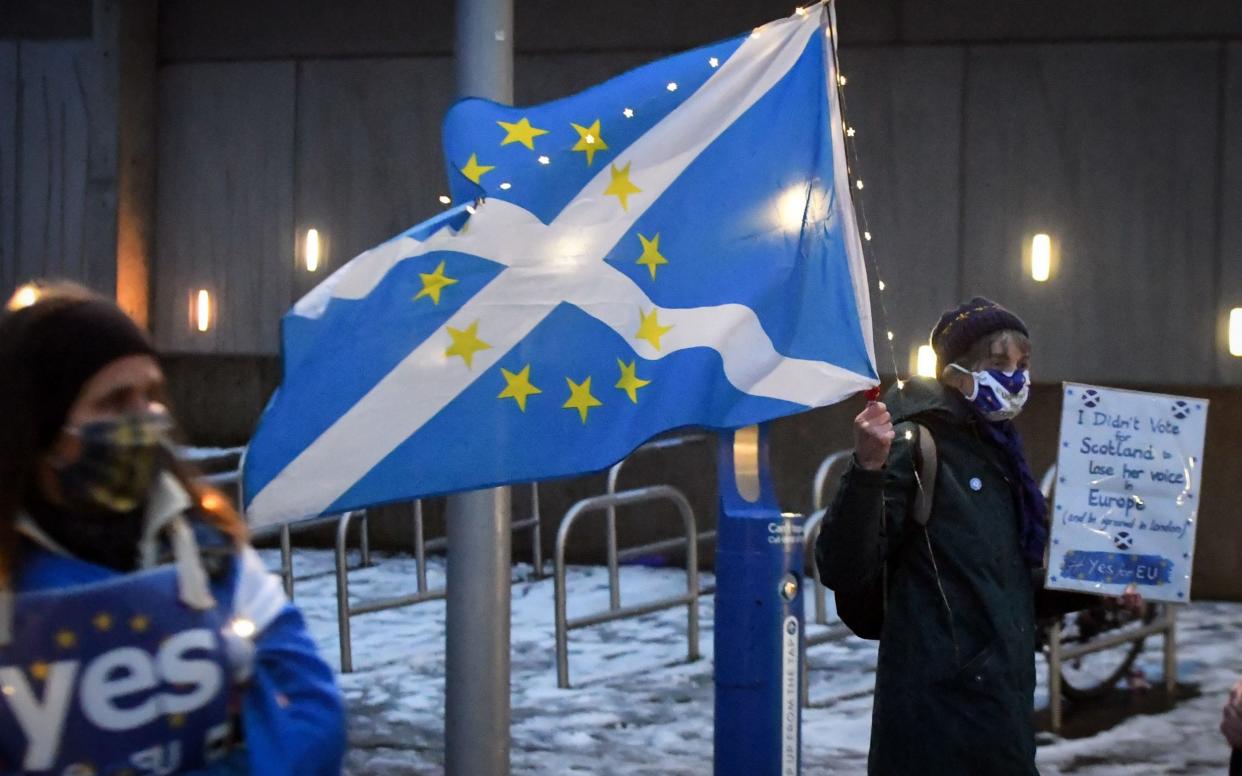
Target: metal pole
column 420, row 547
column 1170, row 651
column 1054, row 676
column 476, row 691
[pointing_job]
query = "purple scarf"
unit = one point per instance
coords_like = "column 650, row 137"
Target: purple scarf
column 1032, row 528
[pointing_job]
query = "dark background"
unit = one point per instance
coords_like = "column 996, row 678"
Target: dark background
column 150, row 149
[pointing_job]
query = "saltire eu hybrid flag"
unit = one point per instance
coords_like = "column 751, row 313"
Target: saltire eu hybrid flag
column 674, row 247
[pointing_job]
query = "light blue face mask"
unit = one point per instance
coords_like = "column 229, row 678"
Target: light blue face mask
column 998, row 395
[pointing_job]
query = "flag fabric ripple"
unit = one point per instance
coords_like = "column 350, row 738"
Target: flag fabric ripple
column 674, row 247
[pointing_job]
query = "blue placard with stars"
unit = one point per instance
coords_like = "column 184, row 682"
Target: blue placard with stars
column 115, row 678
column 674, row 247
column 1126, row 497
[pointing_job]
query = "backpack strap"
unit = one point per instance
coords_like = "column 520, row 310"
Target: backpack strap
column 928, row 464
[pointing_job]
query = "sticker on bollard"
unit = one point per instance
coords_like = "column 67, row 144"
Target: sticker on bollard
column 789, row 699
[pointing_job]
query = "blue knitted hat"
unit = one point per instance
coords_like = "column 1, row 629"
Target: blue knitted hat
column 962, row 326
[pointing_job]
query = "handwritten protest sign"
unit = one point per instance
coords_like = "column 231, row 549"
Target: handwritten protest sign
column 1129, row 469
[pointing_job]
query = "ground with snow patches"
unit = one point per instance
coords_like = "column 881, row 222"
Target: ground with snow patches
column 638, row 708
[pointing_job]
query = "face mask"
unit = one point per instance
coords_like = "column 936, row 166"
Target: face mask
column 999, row 395
column 120, row 459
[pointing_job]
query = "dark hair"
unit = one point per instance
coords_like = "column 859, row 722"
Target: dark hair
column 23, row 440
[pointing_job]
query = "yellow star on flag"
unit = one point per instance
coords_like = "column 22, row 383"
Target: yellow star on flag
column 651, row 257
column 580, row 398
column 589, row 140
column 176, row 720
column 518, row 386
column 650, row 329
column 473, row 170
column 139, row 623
column 102, row 621
column 39, row 670
column 433, row 284
column 66, row 639
column 630, row 382
column 466, row 343
column 621, row 187
column 521, row 132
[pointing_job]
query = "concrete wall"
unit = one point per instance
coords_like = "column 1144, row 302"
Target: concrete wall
column 1115, row 126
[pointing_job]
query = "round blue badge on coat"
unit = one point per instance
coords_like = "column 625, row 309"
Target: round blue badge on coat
column 976, row 484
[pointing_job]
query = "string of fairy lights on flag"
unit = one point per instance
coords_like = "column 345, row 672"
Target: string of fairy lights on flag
column 860, row 207
column 591, row 136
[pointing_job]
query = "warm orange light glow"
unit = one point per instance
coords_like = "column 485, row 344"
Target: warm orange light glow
column 1235, row 332
column 202, row 310
column 25, row 296
column 312, row 250
column 1041, row 258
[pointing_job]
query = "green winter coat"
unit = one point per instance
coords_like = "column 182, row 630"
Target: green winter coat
column 956, row 673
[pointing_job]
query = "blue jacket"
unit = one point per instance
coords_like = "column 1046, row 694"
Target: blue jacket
column 292, row 715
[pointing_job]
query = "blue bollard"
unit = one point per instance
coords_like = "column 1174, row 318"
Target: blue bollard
column 759, row 617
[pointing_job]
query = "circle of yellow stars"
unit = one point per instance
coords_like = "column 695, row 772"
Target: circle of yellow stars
column 466, row 343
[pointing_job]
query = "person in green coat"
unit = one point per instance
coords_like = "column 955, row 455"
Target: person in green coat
column 956, row 676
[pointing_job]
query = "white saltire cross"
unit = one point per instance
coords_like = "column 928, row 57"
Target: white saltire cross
column 563, row 261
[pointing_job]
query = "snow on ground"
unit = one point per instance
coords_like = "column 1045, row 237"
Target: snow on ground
column 639, row 708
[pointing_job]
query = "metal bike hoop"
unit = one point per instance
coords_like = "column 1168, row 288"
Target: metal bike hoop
column 614, row 555
column 690, row 598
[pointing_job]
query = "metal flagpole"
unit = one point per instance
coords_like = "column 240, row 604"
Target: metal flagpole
column 759, row 617
column 476, row 690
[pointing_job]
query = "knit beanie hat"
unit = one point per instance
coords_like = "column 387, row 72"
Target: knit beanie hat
column 50, row 349
column 962, row 326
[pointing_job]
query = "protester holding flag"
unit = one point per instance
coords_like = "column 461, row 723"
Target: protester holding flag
column 139, row 632
column 956, row 678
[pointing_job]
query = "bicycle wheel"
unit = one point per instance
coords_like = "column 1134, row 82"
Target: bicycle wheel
column 1095, row 674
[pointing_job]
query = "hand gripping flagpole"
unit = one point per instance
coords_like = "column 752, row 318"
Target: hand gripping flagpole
column 759, row 616
column 476, row 690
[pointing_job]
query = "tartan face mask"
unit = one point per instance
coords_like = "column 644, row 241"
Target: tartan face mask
column 998, row 395
column 120, row 459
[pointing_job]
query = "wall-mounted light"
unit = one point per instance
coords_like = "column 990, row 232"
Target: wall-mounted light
column 200, row 310
column 25, row 295
column 1235, row 332
column 925, row 361
column 311, row 250
column 1041, row 258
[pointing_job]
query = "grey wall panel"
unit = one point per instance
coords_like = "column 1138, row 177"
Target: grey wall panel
column 1230, row 259
column 224, row 187
column 539, row 78
column 368, row 158
column 8, row 167
column 1000, row 20
column 66, row 181
column 648, row 25
column 1105, row 148
column 905, row 105
column 239, row 29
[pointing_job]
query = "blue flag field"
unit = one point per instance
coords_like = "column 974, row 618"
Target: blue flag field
column 674, row 247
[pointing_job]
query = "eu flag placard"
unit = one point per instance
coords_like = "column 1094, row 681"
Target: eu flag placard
column 674, row 247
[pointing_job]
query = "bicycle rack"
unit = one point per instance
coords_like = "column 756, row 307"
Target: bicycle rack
column 1165, row 625
column 811, row 529
column 690, row 599
column 614, row 555
column 345, row 610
